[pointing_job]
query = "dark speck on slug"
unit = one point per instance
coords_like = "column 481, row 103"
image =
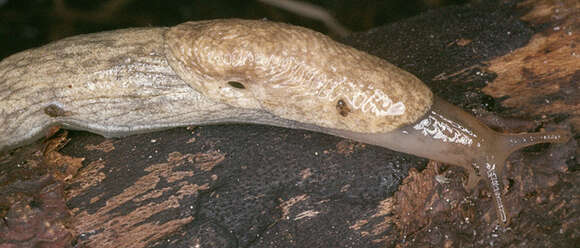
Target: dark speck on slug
column 54, row 111
column 342, row 108
column 237, row 85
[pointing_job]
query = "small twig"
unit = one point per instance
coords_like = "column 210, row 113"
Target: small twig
column 311, row 11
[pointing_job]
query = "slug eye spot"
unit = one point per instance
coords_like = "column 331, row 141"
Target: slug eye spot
column 236, row 85
column 342, row 108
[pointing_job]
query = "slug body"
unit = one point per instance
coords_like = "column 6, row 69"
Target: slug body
column 240, row 71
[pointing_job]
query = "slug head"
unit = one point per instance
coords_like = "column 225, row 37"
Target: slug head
column 296, row 74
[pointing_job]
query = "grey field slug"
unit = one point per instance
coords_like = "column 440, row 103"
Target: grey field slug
column 138, row 80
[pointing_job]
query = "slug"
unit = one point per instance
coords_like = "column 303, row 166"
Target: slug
column 138, row 80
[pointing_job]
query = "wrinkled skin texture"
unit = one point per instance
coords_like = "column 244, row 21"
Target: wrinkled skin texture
column 222, row 71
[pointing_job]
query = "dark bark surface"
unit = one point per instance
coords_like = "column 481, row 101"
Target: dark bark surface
column 259, row 186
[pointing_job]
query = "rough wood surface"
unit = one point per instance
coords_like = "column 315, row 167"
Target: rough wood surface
column 258, row 186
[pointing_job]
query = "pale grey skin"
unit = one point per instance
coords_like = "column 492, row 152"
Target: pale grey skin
column 132, row 81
